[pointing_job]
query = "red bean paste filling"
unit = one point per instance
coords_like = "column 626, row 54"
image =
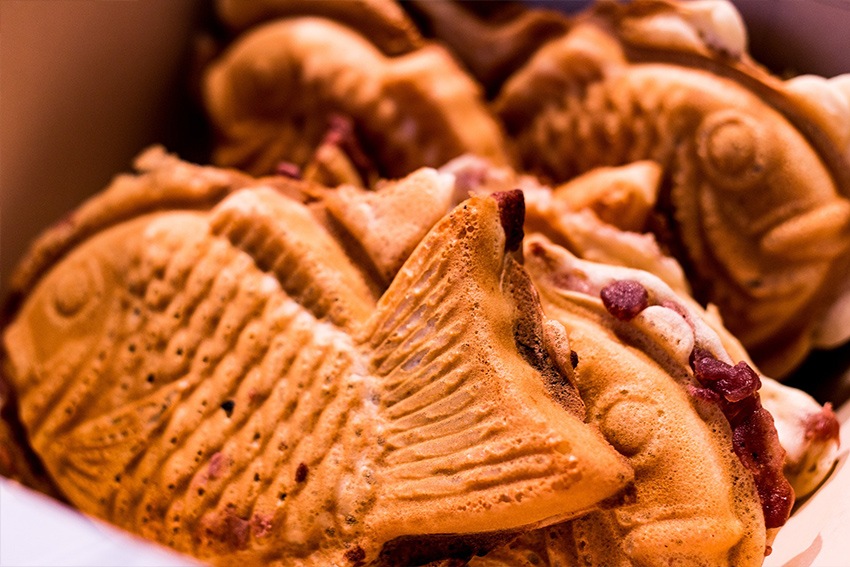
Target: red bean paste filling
column 342, row 133
column 288, row 169
column 735, row 390
column 822, row 426
column 512, row 217
column 624, row 299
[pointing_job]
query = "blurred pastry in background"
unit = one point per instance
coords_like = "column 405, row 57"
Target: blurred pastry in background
column 753, row 199
column 272, row 94
column 491, row 39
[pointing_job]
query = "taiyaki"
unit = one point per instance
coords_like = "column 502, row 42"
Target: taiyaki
column 687, row 474
column 709, row 488
column 270, row 95
column 222, row 379
column 754, row 199
column 387, row 231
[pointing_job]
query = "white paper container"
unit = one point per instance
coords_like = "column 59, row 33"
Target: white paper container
column 87, row 85
column 36, row 531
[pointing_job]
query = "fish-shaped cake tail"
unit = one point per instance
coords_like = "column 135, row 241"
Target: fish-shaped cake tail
column 473, row 438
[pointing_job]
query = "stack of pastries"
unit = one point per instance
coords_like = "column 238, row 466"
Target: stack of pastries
column 462, row 284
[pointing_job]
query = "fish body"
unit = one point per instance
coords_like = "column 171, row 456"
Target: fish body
column 224, row 382
column 749, row 205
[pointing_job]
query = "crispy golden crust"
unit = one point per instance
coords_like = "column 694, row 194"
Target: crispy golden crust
column 17, row 461
column 636, row 390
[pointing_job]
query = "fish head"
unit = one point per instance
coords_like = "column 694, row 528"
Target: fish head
column 90, row 315
column 71, row 301
column 755, row 194
column 757, row 169
column 763, row 219
column 634, row 377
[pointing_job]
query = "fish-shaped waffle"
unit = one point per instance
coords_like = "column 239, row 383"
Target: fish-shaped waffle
column 709, row 488
column 387, row 231
column 755, row 189
column 703, row 495
column 224, row 381
column 272, row 94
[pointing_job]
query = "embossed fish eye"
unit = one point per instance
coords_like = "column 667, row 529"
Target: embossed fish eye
column 733, row 149
column 74, row 290
column 630, row 424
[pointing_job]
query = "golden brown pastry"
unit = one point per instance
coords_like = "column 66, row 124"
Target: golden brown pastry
column 620, row 196
column 390, row 221
column 569, row 213
column 271, row 95
column 223, row 380
column 756, row 183
column 807, row 430
column 17, row 462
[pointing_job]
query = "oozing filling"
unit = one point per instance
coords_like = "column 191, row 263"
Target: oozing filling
column 512, row 217
column 624, row 299
column 735, row 390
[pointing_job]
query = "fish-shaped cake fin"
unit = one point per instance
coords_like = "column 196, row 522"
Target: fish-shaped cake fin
column 621, row 196
column 284, row 239
column 473, row 439
column 381, row 220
